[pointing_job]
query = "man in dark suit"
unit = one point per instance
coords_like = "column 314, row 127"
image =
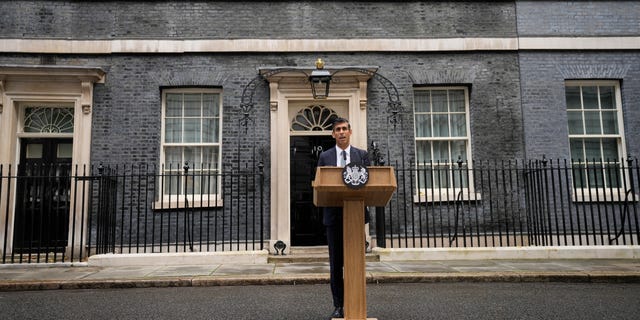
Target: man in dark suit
column 341, row 155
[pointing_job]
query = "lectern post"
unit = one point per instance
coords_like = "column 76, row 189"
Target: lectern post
column 329, row 190
column 355, row 297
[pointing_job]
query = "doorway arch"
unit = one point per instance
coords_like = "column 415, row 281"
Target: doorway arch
column 27, row 86
column 310, row 135
column 289, row 94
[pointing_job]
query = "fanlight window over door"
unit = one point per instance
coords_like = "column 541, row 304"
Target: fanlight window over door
column 314, row 118
column 47, row 119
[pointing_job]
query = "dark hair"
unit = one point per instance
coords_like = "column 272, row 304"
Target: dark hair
column 339, row 120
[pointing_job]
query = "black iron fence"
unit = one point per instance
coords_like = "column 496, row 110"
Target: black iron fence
column 58, row 213
column 55, row 213
column 495, row 204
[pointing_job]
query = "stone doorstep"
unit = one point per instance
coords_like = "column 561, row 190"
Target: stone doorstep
column 312, row 257
column 510, row 253
column 311, row 254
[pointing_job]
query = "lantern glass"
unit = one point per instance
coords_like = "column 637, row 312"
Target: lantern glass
column 320, row 80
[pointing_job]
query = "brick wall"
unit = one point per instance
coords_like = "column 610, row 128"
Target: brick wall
column 253, row 19
column 543, row 96
column 127, row 107
column 578, row 18
column 127, row 112
column 516, row 99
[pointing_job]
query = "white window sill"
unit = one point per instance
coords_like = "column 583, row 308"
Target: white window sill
column 446, row 195
column 170, row 204
column 601, row 195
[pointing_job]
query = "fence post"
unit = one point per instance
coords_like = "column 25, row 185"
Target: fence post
column 261, row 170
column 378, row 160
column 633, row 198
column 631, row 181
column 188, row 223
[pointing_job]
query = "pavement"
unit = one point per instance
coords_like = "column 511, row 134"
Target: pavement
column 20, row 277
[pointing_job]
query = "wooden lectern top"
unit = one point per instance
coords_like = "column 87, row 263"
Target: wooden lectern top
column 330, row 191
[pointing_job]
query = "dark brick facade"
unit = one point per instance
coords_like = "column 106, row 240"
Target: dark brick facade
column 517, row 103
column 578, row 18
column 544, row 73
column 127, row 107
column 543, row 97
column 257, row 19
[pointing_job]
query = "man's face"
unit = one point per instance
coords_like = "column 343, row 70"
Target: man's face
column 342, row 133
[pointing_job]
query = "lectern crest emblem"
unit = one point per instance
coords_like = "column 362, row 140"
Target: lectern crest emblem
column 355, row 175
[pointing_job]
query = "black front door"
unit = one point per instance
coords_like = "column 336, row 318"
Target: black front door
column 306, row 219
column 43, row 195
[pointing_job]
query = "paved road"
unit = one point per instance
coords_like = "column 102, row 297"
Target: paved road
column 385, row 301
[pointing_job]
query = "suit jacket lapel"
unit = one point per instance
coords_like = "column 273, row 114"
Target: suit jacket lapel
column 332, row 157
column 355, row 155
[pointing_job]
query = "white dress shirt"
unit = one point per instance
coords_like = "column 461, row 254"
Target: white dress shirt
column 339, row 155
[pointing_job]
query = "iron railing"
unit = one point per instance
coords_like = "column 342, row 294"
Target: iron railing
column 510, row 203
column 59, row 213
column 53, row 213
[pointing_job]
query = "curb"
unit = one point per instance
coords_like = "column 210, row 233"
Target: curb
column 373, row 278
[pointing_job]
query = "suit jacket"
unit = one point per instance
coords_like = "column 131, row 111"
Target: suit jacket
column 333, row 215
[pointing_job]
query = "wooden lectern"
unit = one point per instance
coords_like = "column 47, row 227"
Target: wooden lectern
column 329, row 190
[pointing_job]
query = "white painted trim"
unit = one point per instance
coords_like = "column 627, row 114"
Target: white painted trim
column 252, row 45
column 283, row 97
column 579, row 43
column 445, row 195
column 603, row 194
column 208, row 200
column 509, row 253
column 178, row 258
column 316, row 45
column 69, row 85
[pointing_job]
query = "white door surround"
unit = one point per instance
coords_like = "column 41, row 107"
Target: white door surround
column 42, row 85
column 289, row 92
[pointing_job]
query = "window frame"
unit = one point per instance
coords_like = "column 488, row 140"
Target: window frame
column 601, row 193
column 31, row 103
column 176, row 200
column 445, row 194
